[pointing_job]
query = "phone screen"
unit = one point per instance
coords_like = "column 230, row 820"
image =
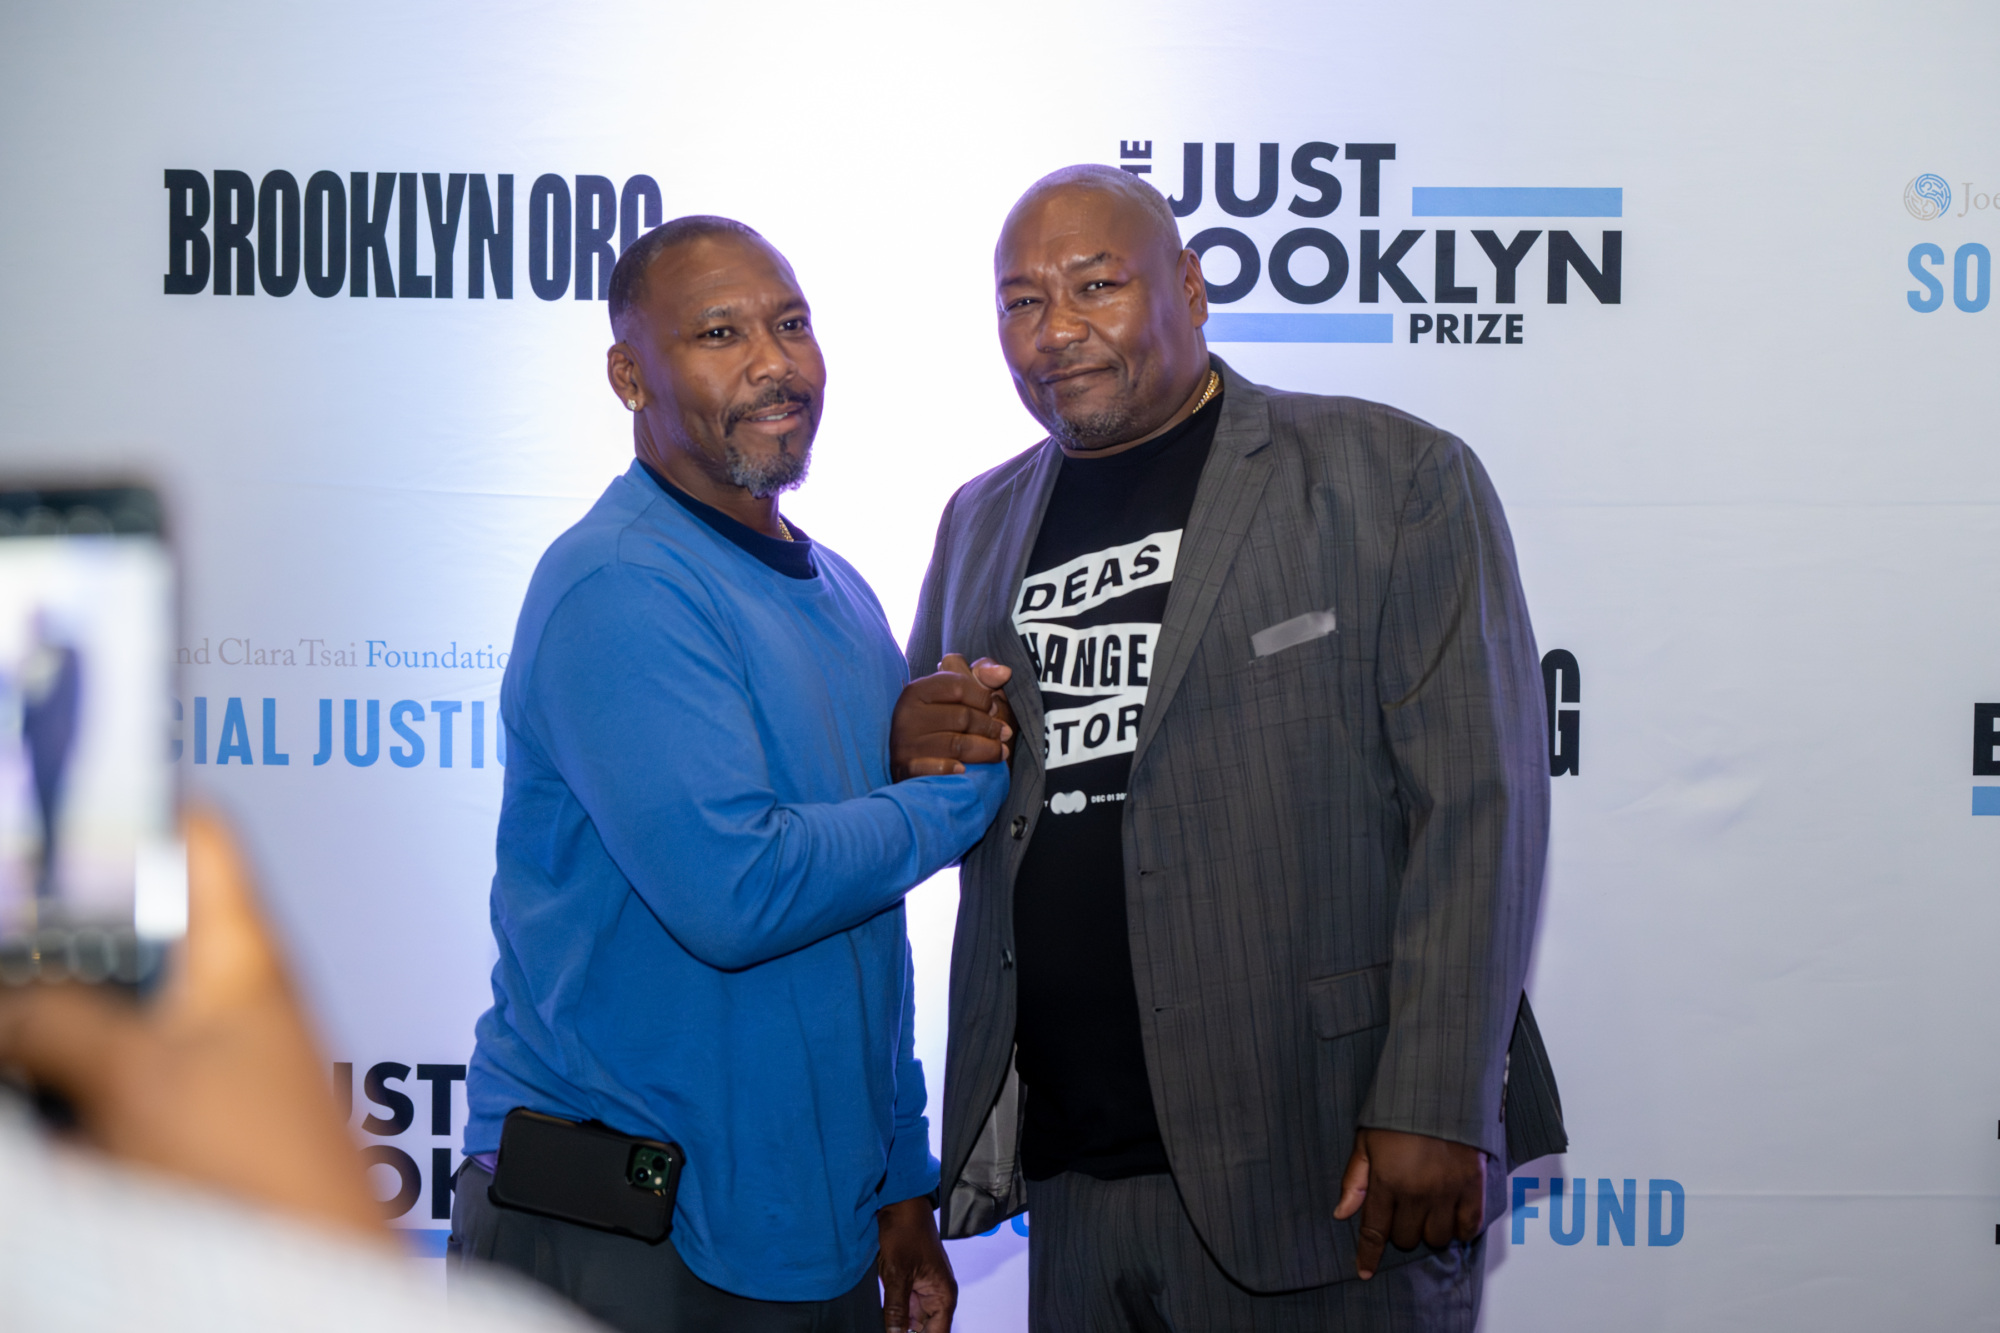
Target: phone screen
column 93, row 882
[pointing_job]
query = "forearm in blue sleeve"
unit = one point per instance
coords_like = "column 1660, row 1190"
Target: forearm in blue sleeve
column 647, row 718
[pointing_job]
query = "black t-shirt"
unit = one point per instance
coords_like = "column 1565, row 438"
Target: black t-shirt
column 1089, row 614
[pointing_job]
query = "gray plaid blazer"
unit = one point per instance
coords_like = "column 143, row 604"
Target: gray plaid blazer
column 1334, row 836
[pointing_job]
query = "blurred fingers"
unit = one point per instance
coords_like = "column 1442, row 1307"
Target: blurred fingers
column 74, row 1040
column 230, row 955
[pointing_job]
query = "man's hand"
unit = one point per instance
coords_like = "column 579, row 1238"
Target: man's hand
column 918, row 1291
column 955, row 717
column 1410, row 1188
column 218, row 1080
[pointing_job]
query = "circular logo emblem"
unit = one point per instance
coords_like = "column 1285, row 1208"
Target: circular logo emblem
column 1927, row 197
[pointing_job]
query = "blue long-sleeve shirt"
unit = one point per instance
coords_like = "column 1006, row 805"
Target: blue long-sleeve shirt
column 698, row 900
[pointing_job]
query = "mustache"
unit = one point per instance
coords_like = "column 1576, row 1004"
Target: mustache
column 1065, row 363
column 775, row 396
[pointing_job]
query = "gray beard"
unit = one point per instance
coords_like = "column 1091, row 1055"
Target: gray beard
column 768, row 476
column 1098, row 430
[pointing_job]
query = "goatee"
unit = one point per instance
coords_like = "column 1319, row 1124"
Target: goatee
column 1094, row 430
column 769, row 475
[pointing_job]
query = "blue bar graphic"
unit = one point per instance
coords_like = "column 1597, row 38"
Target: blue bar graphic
column 1507, row 201
column 1986, row 800
column 1234, row 328
column 424, row 1242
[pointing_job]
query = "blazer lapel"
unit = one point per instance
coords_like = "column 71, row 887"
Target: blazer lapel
column 1225, row 503
column 1021, row 521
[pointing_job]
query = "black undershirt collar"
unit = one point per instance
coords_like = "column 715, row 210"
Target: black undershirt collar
column 793, row 558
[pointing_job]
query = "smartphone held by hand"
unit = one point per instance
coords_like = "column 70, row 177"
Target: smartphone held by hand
column 93, row 879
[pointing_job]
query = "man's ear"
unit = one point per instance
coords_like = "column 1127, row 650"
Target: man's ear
column 1196, row 288
column 622, row 369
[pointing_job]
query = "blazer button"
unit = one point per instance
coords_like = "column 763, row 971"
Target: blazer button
column 1020, row 825
column 1006, row 960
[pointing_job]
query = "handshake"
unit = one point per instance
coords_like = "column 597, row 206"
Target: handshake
column 955, row 717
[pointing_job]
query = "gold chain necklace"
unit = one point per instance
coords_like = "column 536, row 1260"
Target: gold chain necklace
column 1214, row 386
column 787, row 531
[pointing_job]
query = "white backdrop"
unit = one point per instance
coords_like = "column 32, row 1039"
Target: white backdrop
column 1755, row 498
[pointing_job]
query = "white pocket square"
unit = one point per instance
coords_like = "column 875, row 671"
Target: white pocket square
column 1291, row 633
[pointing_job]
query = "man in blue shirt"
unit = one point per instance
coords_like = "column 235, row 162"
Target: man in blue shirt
column 702, row 856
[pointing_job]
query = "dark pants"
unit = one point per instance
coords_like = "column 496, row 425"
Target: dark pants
column 1109, row 1255
column 626, row 1283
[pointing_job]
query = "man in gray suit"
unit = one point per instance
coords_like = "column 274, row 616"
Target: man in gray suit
column 1236, row 994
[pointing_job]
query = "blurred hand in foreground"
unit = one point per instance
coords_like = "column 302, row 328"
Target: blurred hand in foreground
column 218, row 1079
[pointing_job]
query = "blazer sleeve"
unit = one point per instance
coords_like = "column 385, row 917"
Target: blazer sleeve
column 1460, row 685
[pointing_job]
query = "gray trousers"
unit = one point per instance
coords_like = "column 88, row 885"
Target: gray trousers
column 630, row 1285
column 1108, row 1255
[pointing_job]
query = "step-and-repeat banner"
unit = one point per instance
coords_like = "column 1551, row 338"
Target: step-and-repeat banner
column 1707, row 286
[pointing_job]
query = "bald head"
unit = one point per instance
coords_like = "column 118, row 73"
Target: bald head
column 1147, row 207
column 1100, row 309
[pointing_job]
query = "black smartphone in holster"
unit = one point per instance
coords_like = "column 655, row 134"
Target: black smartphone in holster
column 587, row 1173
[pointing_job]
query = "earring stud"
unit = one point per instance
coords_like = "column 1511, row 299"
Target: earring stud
column 632, row 403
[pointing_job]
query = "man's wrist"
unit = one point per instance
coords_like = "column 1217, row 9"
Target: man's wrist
column 905, row 1210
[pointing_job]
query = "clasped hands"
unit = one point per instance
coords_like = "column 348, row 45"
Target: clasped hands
column 953, row 717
